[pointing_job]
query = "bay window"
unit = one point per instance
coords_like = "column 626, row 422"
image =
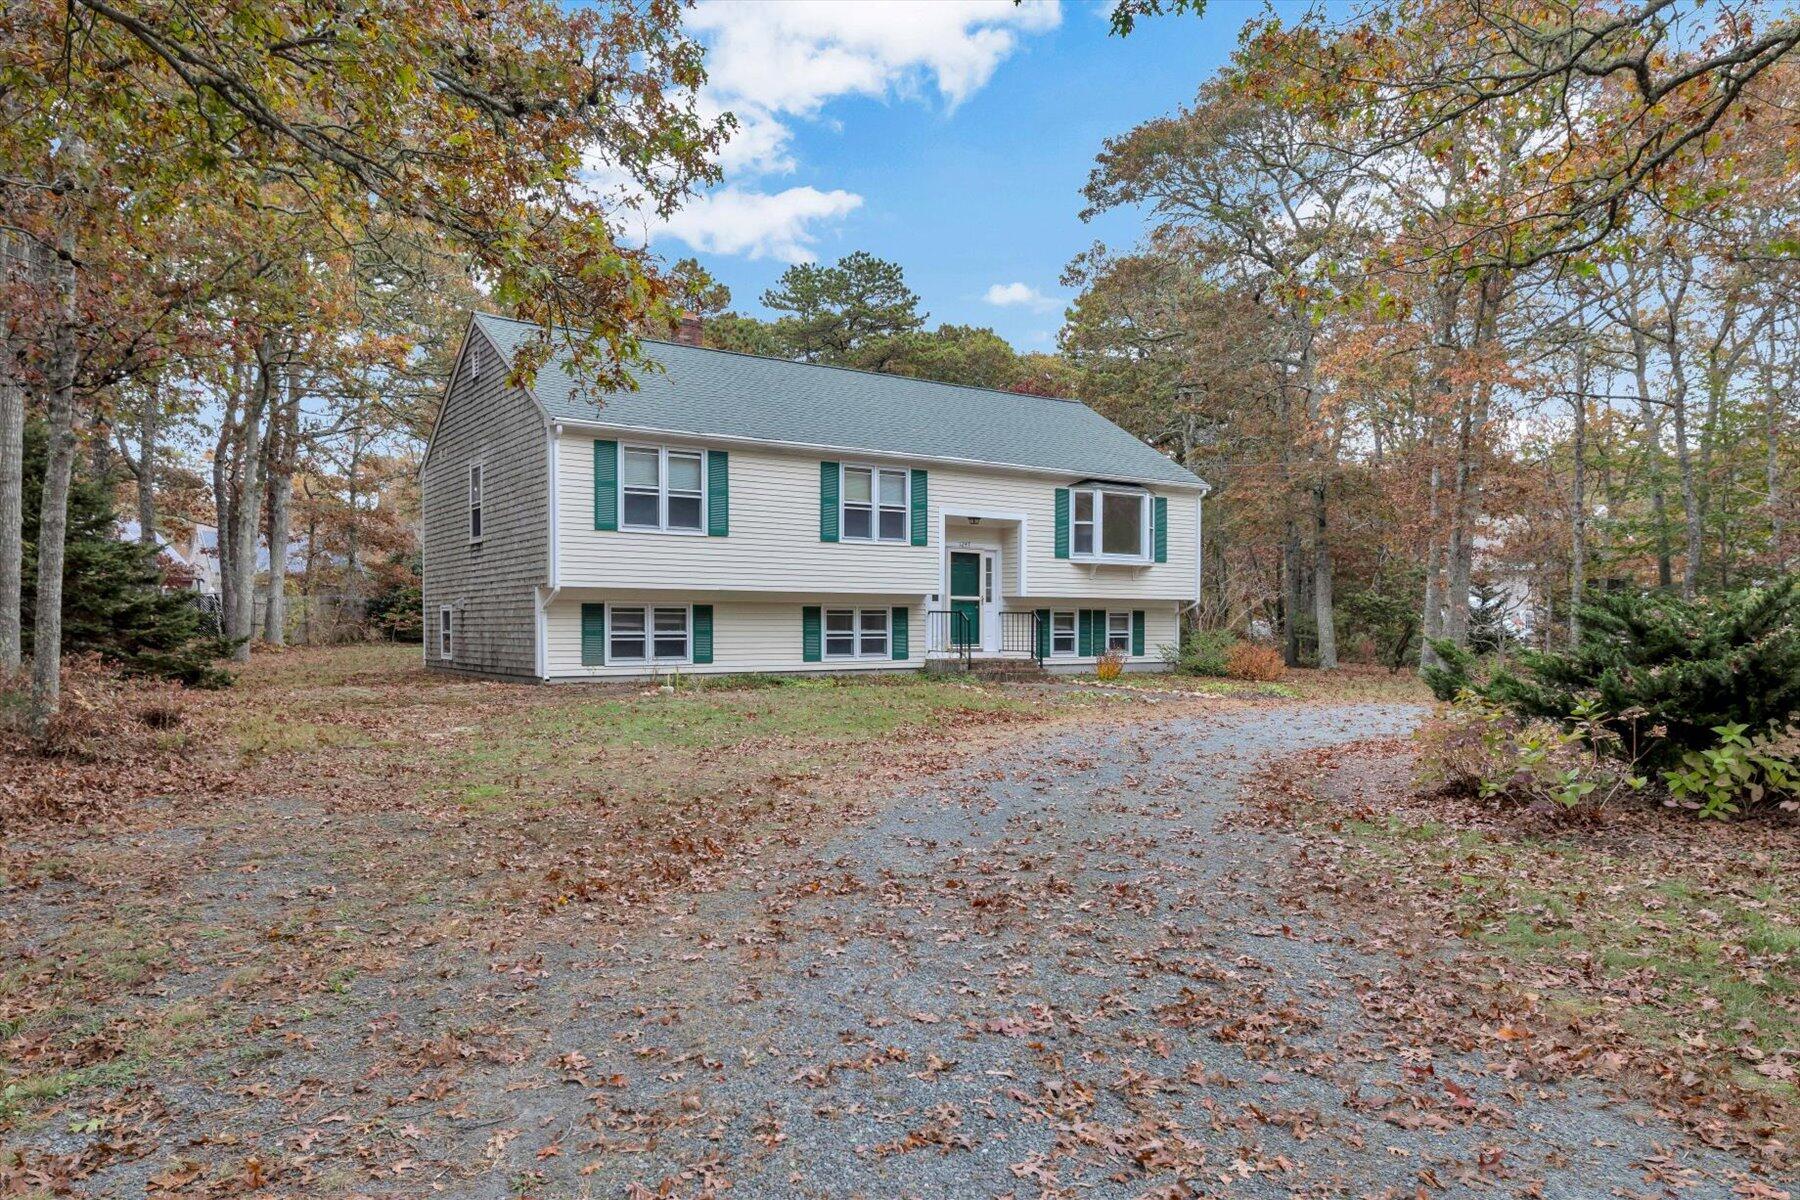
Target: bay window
column 1110, row 524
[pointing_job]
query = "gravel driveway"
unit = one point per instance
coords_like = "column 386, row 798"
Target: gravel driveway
column 1054, row 973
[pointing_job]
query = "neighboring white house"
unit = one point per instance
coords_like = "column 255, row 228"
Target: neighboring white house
column 737, row 513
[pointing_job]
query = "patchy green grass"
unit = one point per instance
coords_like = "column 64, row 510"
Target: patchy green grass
column 650, row 745
column 1685, row 937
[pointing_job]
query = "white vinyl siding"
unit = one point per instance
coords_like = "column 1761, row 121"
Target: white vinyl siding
column 760, row 635
column 774, row 547
column 748, row 636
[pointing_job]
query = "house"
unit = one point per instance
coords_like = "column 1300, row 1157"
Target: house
column 738, row 513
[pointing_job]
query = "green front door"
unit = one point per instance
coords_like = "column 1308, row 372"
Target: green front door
column 965, row 598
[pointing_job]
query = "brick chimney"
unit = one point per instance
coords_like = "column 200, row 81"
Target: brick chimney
column 688, row 332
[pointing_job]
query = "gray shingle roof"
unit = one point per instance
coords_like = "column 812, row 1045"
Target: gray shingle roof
column 721, row 393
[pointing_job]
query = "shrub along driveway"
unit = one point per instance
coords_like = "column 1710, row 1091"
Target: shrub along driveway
column 1051, row 971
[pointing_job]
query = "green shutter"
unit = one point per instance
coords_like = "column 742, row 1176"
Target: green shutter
column 606, row 485
column 718, row 493
column 1137, row 632
column 809, row 634
column 919, row 505
column 898, row 639
column 1043, row 633
column 703, row 625
column 1162, row 529
column 593, row 635
column 1062, row 525
column 1084, row 632
column 828, row 503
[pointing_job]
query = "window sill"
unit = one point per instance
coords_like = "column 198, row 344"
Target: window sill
column 1104, row 560
column 657, row 529
column 861, row 541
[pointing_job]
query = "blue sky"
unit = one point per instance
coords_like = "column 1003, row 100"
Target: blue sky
column 951, row 137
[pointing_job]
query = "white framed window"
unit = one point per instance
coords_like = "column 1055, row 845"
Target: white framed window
column 987, row 578
column 1118, row 631
column 446, row 642
column 662, row 489
column 661, row 633
column 1062, row 634
column 1111, row 525
column 856, row 633
column 474, row 502
column 873, row 505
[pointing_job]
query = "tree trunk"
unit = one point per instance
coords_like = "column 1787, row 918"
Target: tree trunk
column 1460, row 567
column 1684, row 462
column 53, row 515
column 1431, row 622
column 238, row 481
column 1772, row 475
column 14, row 266
column 1322, row 599
column 283, row 434
column 144, row 465
column 1290, row 592
column 1578, row 526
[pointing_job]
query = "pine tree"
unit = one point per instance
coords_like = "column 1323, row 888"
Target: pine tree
column 112, row 601
column 1654, row 661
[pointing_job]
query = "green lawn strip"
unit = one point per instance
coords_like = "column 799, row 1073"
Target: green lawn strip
column 659, row 745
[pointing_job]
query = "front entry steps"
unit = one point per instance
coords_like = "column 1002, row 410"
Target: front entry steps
column 997, row 667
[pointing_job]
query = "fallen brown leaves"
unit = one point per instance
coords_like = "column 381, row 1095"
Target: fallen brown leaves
column 1643, row 948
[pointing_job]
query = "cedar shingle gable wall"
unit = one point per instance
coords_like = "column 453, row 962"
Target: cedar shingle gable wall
column 491, row 585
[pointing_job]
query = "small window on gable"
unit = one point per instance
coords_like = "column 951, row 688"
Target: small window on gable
column 445, row 638
column 474, row 361
column 474, row 502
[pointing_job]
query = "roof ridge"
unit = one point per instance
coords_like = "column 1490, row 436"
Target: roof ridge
column 790, row 362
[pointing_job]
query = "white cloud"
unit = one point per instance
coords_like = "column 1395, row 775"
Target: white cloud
column 772, row 62
column 791, row 56
column 782, row 225
column 1019, row 295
